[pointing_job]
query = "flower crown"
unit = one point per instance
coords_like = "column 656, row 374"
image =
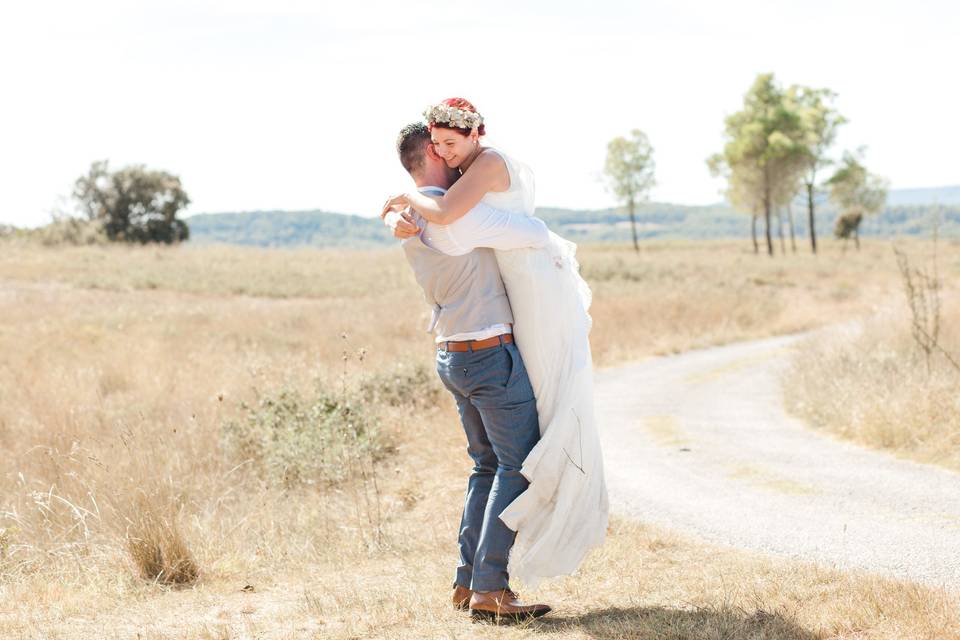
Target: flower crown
column 456, row 118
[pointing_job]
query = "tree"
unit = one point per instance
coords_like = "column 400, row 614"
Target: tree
column 763, row 153
column 133, row 204
column 858, row 193
column 820, row 122
column 742, row 189
column 629, row 170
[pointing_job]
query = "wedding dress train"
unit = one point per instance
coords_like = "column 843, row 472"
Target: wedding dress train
column 564, row 511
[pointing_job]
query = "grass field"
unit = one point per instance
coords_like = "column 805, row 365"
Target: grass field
column 124, row 367
column 875, row 387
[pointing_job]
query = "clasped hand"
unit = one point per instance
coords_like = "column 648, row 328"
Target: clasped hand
column 395, row 203
column 403, row 224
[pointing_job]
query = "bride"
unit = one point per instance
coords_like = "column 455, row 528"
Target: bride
column 563, row 512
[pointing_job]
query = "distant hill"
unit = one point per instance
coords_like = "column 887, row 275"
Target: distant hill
column 654, row 220
column 288, row 228
column 931, row 195
column 318, row 228
column 326, row 229
column 659, row 220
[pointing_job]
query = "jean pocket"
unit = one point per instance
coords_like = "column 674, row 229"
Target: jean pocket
column 514, row 364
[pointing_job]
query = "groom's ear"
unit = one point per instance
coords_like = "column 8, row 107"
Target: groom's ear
column 430, row 150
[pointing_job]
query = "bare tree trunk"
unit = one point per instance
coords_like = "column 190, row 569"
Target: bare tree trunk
column 753, row 233
column 856, row 236
column 793, row 236
column 766, row 211
column 633, row 225
column 766, row 230
column 783, row 243
column 813, row 230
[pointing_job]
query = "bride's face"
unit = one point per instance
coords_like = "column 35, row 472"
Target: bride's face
column 453, row 146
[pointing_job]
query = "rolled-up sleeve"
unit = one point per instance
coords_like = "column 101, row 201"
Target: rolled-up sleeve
column 485, row 226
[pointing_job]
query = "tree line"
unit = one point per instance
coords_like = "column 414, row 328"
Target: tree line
column 775, row 151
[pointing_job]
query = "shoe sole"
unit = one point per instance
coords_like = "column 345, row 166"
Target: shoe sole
column 497, row 618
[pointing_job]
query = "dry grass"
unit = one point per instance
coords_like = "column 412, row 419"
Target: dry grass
column 155, row 544
column 880, row 382
column 644, row 583
column 872, row 386
column 121, row 365
column 671, row 297
column 683, row 295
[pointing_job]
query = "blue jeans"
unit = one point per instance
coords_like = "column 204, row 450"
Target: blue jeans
column 499, row 415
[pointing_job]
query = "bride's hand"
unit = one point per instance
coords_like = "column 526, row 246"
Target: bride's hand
column 396, row 203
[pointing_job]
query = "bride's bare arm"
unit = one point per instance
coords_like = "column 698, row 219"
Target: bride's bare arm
column 487, row 173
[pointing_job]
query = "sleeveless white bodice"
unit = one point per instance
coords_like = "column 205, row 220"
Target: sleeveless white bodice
column 520, row 196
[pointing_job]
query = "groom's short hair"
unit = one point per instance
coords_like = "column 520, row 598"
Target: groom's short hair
column 410, row 145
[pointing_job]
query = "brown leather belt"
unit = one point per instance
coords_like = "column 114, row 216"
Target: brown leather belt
column 475, row 345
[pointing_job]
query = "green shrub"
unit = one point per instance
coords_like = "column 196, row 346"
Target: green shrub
column 330, row 437
column 293, row 441
column 413, row 386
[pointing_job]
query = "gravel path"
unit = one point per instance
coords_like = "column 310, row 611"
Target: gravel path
column 700, row 442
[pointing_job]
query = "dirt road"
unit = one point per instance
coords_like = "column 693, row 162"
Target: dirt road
column 700, row 442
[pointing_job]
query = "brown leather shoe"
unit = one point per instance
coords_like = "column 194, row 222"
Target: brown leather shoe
column 461, row 597
column 503, row 605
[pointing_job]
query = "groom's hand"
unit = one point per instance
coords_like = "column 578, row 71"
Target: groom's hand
column 406, row 227
column 402, row 223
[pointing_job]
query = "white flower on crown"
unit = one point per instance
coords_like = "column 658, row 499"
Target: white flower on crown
column 452, row 116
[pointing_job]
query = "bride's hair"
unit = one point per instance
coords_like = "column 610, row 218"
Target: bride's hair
column 466, row 105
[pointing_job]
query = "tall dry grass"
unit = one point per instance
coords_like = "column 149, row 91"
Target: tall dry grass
column 871, row 384
column 893, row 380
column 110, row 395
column 123, row 366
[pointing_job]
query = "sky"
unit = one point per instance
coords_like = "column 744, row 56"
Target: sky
column 284, row 104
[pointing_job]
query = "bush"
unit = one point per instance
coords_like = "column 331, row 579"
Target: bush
column 60, row 231
column 292, row 441
column 67, row 230
column 406, row 386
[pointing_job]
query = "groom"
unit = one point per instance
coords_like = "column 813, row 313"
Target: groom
column 479, row 364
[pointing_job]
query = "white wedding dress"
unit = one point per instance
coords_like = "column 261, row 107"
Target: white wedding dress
column 564, row 511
